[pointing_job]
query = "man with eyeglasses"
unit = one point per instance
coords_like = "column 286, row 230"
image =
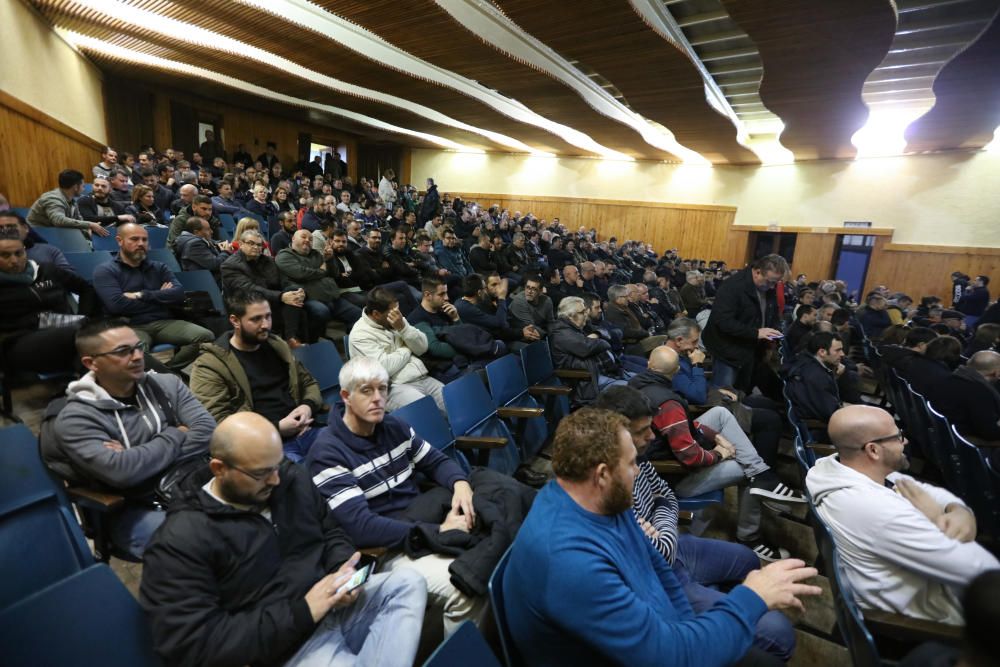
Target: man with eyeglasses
column 251, row 569
column 122, row 428
column 532, row 307
column 908, row 547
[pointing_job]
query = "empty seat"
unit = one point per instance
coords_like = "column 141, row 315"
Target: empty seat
column 84, row 263
column 472, row 412
column 323, row 362
column 510, row 389
column 65, row 238
column 107, row 243
column 166, row 256
column 466, row 646
column 157, row 236
column 203, row 281
column 427, row 422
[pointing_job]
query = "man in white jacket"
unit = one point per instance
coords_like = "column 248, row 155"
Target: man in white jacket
column 383, row 334
column 907, row 547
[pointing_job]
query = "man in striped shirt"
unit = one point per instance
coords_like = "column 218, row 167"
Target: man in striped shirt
column 364, row 466
column 701, row 564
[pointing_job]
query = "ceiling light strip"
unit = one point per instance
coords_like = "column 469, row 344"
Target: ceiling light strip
column 86, row 42
column 373, row 47
column 194, row 34
column 490, row 24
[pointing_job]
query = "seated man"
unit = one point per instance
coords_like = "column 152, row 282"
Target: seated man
column 383, row 334
column 452, row 256
column 201, row 207
column 532, row 307
column 805, row 318
column 584, row 584
column 302, row 267
column 99, row 207
column 251, row 370
column 369, row 503
column 249, row 269
column 970, row 400
column 143, row 290
column 732, row 459
column 278, row 598
column 574, row 349
column 874, row 318
column 57, row 208
column 484, row 304
column 121, row 429
column 38, row 249
column 701, row 564
column 401, row 264
column 908, row 547
column 637, row 339
column 812, row 377
column 282, row 238
column 196, row 250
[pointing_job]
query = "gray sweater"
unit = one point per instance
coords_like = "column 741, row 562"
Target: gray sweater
column 523, row 313
column 52, row 209
column 75, row 446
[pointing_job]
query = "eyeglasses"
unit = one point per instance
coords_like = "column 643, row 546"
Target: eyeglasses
column 897, row 435
column 253, row 243
column 258, row 475
column 122, row 351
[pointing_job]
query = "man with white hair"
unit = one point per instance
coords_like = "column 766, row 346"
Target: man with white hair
column 364, row 466
column 908, row 547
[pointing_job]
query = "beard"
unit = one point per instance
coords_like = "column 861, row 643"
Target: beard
column 618, row 499
column 234, row 495
column 136, row 256
column 253, row 339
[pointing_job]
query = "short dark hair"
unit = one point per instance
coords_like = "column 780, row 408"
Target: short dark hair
column 840, row 317
column 626, row 401
column 533, row 277
column 821, row 340
column 237, row 301
column 380, row 299
column 11, row 213
column 918, row 335
column 162, row 167
column 985, row 279
column 87, row 335
column 473, row 284
column 69, row 178
column 430, row 284
column 201, row 199
column 945, row 348
column 804, row 309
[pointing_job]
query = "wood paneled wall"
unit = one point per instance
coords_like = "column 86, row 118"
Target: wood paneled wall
column 696, row 231
column 921, row 270
column 34, row 148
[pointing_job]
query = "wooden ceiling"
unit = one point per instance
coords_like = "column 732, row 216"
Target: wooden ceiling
column 591, row 77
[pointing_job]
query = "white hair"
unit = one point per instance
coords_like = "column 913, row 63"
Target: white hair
column 360, row 370
column 570, row 305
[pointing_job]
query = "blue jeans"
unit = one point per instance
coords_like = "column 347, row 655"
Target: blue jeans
column 381, row 628
column 297, row 448
column 702, row 563
column 723, row 374
column 340, row 309
column 133, row 527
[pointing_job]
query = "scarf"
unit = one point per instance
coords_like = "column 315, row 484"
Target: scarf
column 26, row 277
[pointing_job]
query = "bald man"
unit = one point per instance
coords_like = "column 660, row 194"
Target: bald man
column 970, row 400
column 249, row 567
column 303, row 267
column 908, row 547
column 715, row 448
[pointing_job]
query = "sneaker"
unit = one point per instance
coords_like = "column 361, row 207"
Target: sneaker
column 766, row 552
column 768, row 485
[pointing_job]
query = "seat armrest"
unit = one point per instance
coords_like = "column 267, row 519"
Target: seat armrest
column 668, row 467
column 94, row 500
column 905, row 628
column 815, row 423
column 685, row 516
column 572, row 374
column 549, row 390
column 479, row 442
column 822, row 448
column 981, row 442
column 520, row 412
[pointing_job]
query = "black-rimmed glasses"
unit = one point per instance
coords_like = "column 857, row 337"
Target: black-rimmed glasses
column 258, row 475
column 122, row 351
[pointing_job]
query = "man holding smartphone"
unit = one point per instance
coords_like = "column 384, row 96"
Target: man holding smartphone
column 250, row 568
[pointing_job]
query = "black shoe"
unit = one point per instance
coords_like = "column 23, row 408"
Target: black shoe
column 526, row 475
column 769, row 486
column 766, row 552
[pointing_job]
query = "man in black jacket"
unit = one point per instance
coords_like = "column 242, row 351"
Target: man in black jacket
column 812, row 378
column 100, row 208
column 969, row 398
column 251, row 567
column 745, row 312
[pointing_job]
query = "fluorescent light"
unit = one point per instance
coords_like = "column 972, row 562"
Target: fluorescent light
column 882, row 135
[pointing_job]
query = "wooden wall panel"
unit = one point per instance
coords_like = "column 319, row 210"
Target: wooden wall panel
column 705, row 232
column 921, row 270
column 814, row 255
column 34, row 148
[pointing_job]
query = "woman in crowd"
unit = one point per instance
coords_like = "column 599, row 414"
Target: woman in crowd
column 144, row 207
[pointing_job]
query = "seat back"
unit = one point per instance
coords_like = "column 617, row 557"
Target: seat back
column 88, row 618
column 943, row 451
column 203, row 281
column 536, row 360
column 24, row 478
column 507, row 379
column 466, row 646
column 166, row 256
column 84, row 263
column 65, row 238
column 228, row 222
column 107, row 243
column 323, row 362
column 427, row 421
column 263, row 225
column 472, row 412
column 982, row 492
column 850, row 620
column 157, row 236
column 511, row 657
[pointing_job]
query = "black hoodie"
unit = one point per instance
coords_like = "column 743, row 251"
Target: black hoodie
column 224, row 586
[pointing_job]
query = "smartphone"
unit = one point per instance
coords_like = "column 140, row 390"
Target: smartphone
column 364, row 570
column 778, row 337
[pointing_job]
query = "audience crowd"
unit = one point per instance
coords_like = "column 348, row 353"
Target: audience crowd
column 250, row 495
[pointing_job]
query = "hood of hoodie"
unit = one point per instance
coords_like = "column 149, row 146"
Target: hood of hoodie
column 829, row 475
column 134, row 425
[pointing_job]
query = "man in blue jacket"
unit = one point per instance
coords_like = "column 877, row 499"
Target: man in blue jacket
column 584, row 584
column 364, row 466
column 143, row 290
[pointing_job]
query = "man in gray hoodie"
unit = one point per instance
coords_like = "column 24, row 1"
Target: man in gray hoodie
column 121, row 429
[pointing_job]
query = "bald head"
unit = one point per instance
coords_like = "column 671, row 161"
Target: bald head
column 851, row 427
column 664, row 360
column 244, row 438
column 986, row 363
